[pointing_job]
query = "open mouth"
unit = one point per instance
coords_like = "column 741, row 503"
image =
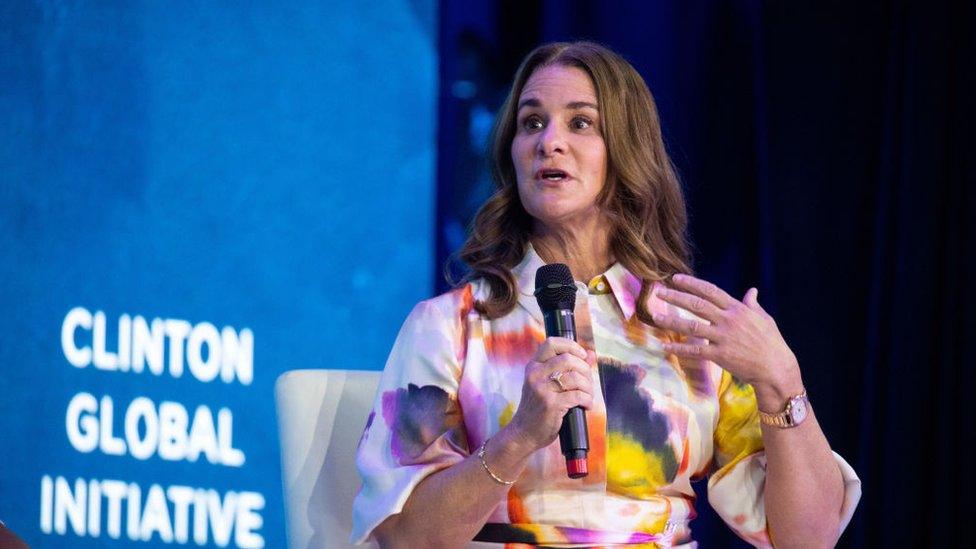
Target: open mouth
column 552, row 175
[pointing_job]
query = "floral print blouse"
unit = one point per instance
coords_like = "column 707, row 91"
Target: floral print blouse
column 454, row 378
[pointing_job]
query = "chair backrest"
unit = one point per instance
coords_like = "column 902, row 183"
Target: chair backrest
column 318, row 451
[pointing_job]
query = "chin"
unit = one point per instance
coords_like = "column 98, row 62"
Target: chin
column 555, row 216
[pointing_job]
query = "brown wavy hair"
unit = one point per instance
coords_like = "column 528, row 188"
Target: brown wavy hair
column 642, row 197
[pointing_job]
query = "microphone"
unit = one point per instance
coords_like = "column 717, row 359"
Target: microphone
column 556, row 294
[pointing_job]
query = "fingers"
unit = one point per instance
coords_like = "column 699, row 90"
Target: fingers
column 703, row 289
column 569, row 399
column 573, row 371
column 572, row 363
column 570, row 380
column 553, row 346
column 566, row 373
column 544, row 400
column 557, row 354
column 751, row 298
column 697, row 305
column 693, row 350
column 688, row 327
column 565, row 362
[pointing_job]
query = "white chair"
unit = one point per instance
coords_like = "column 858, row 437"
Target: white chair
column 318, row 452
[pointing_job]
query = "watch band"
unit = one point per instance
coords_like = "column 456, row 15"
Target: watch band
column 792, row 415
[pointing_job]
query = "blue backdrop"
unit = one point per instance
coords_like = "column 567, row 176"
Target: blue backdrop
column 257, row 172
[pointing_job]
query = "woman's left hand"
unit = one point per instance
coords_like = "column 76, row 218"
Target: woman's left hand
column 741, row 336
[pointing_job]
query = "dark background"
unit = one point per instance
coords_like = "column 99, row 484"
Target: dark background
column 826, row 150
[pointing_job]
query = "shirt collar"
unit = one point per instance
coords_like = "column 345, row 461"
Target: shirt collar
column 624, row 284
column 626, row 288
column 525, row 275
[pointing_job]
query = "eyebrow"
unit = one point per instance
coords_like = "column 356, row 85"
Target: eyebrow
column 533, row 102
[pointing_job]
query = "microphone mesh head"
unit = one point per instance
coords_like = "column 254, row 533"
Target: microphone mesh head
column 554, row 287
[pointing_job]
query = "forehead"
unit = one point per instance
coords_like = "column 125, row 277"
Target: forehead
column 559, row 85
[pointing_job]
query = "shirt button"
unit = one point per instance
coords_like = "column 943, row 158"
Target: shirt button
column 601, row 286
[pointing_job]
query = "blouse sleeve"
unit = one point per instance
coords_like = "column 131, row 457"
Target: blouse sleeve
column 735, row 489
column 415, row 428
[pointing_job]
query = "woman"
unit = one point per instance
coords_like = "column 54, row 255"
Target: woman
column 462, row 443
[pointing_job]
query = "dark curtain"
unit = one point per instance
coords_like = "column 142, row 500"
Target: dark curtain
column 827, row 155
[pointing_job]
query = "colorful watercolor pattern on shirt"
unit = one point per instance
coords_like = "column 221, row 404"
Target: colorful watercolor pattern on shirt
column 454, row 378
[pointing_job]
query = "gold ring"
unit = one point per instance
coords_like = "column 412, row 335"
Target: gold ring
column 558, row 378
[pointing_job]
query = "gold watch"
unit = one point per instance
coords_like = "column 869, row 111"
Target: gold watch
column 794, row 414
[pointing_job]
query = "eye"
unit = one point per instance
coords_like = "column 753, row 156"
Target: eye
column 531, row 123
column 581, row 123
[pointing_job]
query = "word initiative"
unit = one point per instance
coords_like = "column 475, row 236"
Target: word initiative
column 147, row 431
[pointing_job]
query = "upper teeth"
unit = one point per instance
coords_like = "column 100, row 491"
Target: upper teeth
column 553, row 175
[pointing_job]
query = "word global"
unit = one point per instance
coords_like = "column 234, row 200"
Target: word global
column 168, row 431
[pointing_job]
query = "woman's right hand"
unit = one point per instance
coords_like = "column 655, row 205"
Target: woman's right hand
column 544, row 402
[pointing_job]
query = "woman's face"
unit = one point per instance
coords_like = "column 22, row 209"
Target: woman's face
column 559, row 155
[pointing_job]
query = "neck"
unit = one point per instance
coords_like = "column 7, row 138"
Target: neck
column 585, row 247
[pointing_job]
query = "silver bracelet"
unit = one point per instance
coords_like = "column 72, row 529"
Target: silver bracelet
column 484, row 463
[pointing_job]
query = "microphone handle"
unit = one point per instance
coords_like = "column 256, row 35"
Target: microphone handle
column 574, row 438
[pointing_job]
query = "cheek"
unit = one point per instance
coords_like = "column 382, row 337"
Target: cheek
column 597, row 162
column 525, row 198
column 521, row 155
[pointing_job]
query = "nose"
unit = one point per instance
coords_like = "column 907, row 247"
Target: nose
column 551, row 140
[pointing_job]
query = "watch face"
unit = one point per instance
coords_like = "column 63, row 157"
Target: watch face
column 798, row 410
